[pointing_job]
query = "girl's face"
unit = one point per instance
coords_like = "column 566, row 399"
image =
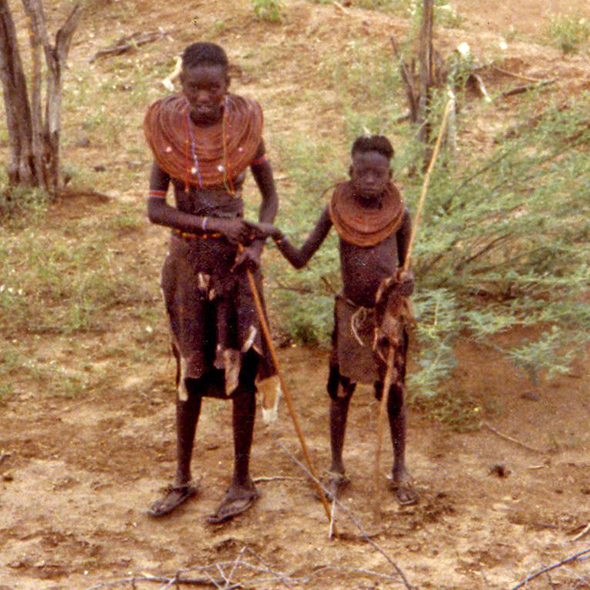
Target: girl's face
column 370, row 173
column 205, row 87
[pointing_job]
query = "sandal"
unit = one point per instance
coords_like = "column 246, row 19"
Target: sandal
column 232, row 506
column 174, row 496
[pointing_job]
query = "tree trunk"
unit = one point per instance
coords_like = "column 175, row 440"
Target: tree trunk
column 48, row 138
column 21, row 165
column 426, row 72
column 34, row 138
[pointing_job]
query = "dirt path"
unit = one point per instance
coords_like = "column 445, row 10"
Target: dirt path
column 76, row 478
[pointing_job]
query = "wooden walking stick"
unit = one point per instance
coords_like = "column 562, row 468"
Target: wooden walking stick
column 390, row 353
column 275, row 360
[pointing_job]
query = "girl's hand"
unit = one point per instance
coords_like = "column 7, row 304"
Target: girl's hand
column 264, row 230
column 406, row 283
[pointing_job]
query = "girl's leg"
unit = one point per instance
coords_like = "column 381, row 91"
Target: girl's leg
column 340, row 391
column 402, row 481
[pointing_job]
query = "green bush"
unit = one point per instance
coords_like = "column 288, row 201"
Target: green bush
column 269, row 10
column 569, row 32
column 503, row 243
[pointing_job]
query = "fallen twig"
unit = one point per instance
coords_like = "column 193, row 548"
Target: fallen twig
column 276, row 478
column 352, row 517
column 512, row 440
column 528, row 87
column 514, row 74
column 71, row 193
column 129, row 42
column 340, row 7
column 551, row 567
column 582, row 533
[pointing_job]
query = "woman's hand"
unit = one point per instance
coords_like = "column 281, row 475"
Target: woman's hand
column 248, row 258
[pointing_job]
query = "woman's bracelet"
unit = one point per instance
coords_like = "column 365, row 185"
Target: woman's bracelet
column 204, row 223
column 279, row 239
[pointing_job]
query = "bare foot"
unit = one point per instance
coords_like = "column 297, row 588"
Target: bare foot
column 335, row 483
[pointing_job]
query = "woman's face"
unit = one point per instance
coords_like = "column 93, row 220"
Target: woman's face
column 205, row 87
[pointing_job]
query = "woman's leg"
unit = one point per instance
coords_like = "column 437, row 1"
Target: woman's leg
column 187, row 418
column 242, row 492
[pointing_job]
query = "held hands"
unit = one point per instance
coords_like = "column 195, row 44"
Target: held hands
column 249, row 235
column 236, row 231
column 265, row 230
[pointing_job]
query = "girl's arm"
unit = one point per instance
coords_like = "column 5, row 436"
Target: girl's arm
column 403, row 245
column 403, row 238
column 159, row 212
column 299, row 257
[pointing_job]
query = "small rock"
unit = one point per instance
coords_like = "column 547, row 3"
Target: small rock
column 83, row 142
column 499, row 470
column 100, row 168
column 531, row 396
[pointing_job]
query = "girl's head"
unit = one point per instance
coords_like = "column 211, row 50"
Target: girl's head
column 370, row 170
column 205, row 81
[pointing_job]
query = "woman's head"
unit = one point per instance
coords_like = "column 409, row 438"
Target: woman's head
column 205, row 80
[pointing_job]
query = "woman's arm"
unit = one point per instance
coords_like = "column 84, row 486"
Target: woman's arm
column 262, row 173
column 159, row 212
column 299, row 257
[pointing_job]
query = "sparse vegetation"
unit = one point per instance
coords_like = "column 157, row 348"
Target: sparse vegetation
column 569, row 32
column 269, row 10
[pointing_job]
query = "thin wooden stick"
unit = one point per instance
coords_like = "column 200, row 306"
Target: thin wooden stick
column 380, row 430
column 510, row 439
column 275, row 360
column 514, row 74
column 584, row 532
column 550, row 568
column 340, row 7
column 433, row 159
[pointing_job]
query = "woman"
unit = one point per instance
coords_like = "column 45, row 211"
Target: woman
column 203, row 140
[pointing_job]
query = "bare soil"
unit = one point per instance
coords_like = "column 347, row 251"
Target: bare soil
column 78, row 473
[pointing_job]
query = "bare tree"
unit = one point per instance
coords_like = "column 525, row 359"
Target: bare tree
column 34, row 132
column 419, row 85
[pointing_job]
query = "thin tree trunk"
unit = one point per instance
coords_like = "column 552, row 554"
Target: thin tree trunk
column 55, row 57
column 21, row 166
column 36, row 110
column 426, row 73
